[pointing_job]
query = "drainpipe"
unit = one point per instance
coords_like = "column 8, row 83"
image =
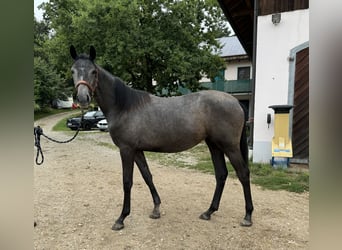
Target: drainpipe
column 255, row 21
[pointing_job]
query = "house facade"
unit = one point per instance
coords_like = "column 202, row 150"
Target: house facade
column 235, row 78
column 275, row 78
column 275, row 35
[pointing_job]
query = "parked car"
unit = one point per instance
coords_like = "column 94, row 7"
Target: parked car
column 103, row 125
column 62, row 104
column 90, row 120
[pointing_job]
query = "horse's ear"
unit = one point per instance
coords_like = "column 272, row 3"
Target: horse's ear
column 92, row 53
column 73, row 52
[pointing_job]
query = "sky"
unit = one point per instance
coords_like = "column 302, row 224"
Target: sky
column 38, row 13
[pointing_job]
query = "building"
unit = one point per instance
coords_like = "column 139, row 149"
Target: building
column 235, row 78
column 275, row 36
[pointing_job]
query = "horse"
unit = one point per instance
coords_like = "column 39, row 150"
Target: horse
column 139, row 121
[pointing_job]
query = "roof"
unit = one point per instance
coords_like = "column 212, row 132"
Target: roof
column 240, row 15
column 231, row 46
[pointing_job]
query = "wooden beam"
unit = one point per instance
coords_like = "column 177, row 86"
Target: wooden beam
column 243, row 12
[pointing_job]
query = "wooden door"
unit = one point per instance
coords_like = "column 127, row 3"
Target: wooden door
column 300, row 129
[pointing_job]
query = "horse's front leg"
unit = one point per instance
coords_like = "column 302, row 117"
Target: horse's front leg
column 127, row 159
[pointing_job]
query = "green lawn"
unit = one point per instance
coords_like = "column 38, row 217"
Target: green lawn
column 288, row 179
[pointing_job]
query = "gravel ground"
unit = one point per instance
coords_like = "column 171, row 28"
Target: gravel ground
column 78, row 194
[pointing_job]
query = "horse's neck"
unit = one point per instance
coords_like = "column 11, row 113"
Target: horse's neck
column 104, row 94
column 111, row 92
column 115, row 97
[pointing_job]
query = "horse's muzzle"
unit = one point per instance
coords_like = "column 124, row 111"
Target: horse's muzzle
column 83, row 104
column 84, row 89
column 83, row 97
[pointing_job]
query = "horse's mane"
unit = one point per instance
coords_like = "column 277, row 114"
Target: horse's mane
column 124, row 97
column 127, row 98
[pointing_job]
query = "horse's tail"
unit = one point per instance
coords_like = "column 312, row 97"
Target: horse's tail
column 243, row 140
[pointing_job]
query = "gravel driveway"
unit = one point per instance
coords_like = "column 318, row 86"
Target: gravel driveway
column 78, row 194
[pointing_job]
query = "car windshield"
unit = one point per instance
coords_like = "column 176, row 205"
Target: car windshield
column 90, row 114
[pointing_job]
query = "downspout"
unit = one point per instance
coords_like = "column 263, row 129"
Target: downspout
column 255, row 26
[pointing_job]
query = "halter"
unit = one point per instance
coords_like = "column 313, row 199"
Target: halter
column 90, row 87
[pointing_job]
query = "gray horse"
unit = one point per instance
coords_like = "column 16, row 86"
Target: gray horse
column 139, row 121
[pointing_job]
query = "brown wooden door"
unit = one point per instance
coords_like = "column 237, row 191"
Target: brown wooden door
column 300, row 129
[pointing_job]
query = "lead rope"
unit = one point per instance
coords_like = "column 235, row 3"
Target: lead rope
column 38, row 131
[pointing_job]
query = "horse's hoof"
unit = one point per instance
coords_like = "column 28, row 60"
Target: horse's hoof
column 205, row 216
column 246, row 223
column 155, row 215
column 117, row 226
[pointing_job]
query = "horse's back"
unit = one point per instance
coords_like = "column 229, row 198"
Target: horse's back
column 213, row 112
column 202, row 99
column 219, row 101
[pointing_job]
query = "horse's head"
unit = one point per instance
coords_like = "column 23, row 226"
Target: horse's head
column 85, row 75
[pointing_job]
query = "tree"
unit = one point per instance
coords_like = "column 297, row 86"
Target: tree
column 41, row 34
column 152, row 45
column 48, row 84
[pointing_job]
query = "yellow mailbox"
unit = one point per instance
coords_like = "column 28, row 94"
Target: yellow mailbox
column 281, row 141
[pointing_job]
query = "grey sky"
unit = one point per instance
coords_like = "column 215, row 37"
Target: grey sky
column 38, row 13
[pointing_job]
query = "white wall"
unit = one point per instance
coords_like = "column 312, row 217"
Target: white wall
column 274, row 43
column 232, row 69
column 230, row 72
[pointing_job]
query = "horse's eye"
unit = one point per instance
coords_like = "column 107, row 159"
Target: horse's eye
column 93, row 72
column 72, row 71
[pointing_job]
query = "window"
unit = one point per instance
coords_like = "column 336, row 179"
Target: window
column 244, row 73
column 90, row 114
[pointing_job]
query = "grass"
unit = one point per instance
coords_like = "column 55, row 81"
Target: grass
column 61, row 125
column 288, row 179
column 198, row 158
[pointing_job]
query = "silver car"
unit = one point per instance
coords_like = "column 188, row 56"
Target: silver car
column 102, row 125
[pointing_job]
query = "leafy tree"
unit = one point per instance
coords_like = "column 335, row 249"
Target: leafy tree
column 41, row 34
column 48, row 84
column 153, row 45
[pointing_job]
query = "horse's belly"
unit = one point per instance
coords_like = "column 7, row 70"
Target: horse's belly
column 171, row 142
column 171, row 147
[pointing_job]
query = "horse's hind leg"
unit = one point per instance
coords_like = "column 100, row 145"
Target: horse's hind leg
column 221, row 174
column 242, row 171
column 140, row 160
